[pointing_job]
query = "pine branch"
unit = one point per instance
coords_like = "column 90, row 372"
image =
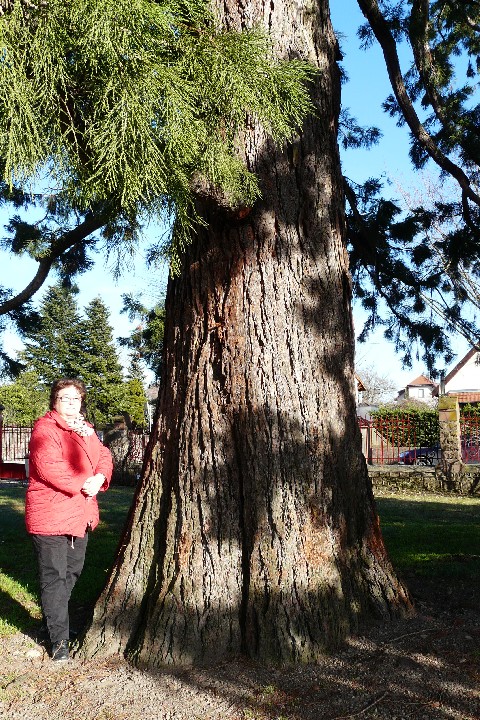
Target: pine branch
column 6, row 6
column 425, row 64
column 125, row 106
column 57, row 248
column 380, row 27
column 423, row 56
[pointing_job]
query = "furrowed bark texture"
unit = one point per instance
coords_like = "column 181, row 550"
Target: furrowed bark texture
column 255, row 529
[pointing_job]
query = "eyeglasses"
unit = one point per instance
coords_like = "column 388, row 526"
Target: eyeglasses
column 66, row 399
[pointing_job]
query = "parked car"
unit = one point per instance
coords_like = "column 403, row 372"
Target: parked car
column 431, row 455
column 421, row 456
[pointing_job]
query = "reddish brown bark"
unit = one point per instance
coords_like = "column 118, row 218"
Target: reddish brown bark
column 255, row 529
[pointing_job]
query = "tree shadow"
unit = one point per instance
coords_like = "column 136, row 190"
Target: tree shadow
column 417, row 670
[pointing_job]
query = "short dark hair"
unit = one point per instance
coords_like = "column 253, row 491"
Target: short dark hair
column 68, row 382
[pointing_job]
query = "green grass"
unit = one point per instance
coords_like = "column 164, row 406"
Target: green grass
column 19, row 600
column 433, row 542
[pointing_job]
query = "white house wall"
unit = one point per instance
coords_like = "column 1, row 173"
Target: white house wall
column 420, row 393
column 467, row 378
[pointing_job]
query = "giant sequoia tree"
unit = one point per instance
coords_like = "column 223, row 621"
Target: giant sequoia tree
column 254, row 527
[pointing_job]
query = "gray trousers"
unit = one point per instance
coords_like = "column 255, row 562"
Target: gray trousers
column 60, row 563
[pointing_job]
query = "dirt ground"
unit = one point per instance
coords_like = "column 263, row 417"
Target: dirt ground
column 421, row 668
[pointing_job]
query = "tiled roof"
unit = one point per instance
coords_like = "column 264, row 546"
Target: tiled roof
column 421, row 380
column 360, row 386
column 466, row 397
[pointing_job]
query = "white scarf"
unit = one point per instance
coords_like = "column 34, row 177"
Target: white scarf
column 79, row 426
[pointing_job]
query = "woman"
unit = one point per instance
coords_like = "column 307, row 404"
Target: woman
column 68, row 466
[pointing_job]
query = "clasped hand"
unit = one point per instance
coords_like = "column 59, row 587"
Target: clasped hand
column 93, row 484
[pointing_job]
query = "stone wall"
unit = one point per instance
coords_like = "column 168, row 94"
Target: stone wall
column 418, row 478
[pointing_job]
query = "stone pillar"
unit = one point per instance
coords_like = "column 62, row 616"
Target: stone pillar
column 450, row 467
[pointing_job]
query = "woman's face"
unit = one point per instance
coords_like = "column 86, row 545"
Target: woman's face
column 68, row 402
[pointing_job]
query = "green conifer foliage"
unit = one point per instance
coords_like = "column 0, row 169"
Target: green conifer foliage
column 114, row 113
column 24, row 400
column 100, row 365
column 53, row 349
column 134, row 397
column 146, row 339
column 122, row 104
column 68, row 344
column 416, row 272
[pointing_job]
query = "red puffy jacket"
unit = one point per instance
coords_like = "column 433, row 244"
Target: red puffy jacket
column 60, row 461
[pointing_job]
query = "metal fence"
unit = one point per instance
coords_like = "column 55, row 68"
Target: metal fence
column 14, row 443
column 401, row 439
column 470, row 438
column 385, row 441
column 410, row 440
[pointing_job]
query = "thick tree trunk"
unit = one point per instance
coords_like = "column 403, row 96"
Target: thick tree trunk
column 255, row 528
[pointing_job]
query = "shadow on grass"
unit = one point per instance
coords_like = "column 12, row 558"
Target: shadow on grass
column 434, row 543
column 14, row 614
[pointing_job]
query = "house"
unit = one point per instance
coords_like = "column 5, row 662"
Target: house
column 464, row 379
column 422, row 389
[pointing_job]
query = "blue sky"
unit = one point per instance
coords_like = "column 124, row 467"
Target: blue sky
column 368, row 86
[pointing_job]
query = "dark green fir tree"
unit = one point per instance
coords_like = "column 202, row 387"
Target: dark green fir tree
column 53, row 348
column 135, row 399
column 101, row 369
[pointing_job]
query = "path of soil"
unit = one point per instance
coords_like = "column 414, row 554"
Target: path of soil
column 423, row 668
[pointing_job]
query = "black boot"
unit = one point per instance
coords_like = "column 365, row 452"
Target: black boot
column 60, row 651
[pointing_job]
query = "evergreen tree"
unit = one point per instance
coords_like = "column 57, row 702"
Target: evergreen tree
column 141, row 118
column 24, row 400
column 146, row 340
column 54, row 347
column 135, row 400
column 254, row 529
column 135, row 370
column 134, row 395
column 101, row 369
column 65, row 344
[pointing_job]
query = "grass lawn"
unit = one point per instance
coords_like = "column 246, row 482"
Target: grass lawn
column 433, row 541
column 19, row 600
